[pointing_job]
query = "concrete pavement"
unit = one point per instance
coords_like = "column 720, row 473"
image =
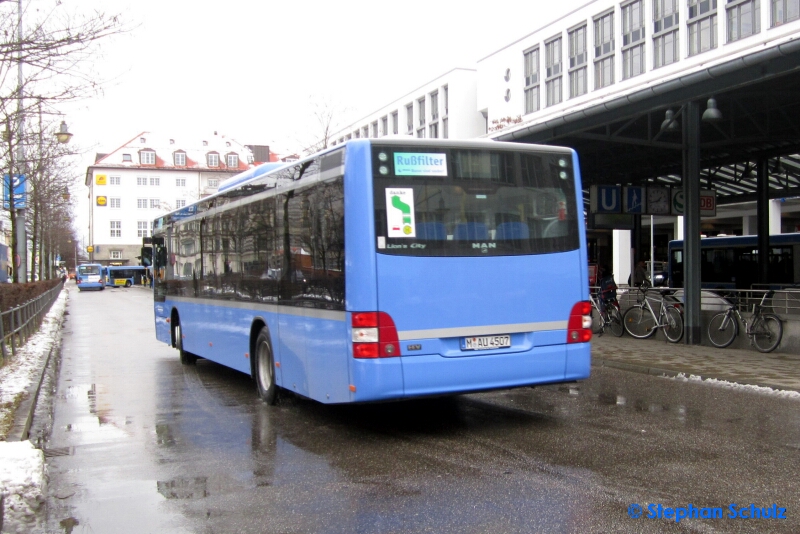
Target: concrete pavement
column 657, row 357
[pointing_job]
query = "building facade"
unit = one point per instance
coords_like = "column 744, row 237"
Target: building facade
column 151, row 175
column 609, row 48
column 444, row 108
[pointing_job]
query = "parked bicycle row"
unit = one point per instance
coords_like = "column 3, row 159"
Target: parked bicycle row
column 652, row 309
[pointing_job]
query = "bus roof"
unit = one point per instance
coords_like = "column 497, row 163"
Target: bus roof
column 733, row 240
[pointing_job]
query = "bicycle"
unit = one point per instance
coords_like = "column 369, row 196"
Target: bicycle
column 641, row 320
column 765, row 330
column 607, row 316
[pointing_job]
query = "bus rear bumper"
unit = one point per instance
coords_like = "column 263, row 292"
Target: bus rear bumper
column 426, row 375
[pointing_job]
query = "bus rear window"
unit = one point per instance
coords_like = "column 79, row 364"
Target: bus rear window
column 470, row 202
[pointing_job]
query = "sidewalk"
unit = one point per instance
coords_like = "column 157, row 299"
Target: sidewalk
column 657, row 357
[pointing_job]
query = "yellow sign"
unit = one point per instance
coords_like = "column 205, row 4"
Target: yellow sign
column 100, row 179
column 101, row 201
column 90, row 248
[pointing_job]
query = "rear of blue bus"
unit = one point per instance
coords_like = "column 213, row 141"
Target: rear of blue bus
column 466, row 268
column 90, row 276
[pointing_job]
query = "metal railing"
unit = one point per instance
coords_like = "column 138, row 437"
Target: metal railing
column 18, row 324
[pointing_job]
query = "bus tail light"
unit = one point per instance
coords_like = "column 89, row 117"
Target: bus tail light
column 579, row 327
column 374, row 335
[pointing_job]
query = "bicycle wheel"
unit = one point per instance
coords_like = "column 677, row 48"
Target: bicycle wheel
column 767, row 332
column 722, row 329
column 674, row 327
column 597, row 321
column 639, row 322
column 615, row 321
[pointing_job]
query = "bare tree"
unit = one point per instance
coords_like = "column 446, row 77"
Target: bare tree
column 326, row 117
column 45, row 61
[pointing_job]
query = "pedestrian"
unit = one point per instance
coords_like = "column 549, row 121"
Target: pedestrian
column 608, row 287
column 639, row 275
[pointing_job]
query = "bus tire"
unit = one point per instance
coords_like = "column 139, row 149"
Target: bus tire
column 187, row 358
column 264, row 368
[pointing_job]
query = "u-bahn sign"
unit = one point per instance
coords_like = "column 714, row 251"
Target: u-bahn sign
column 607, row 199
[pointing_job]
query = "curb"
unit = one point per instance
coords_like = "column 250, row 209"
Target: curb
column 23, row 418
column 670, row 373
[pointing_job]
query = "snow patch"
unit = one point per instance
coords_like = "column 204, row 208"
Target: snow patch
column 763, row 390
column 22, row 485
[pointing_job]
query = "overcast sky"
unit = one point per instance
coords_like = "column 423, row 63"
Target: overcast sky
column 253, row 70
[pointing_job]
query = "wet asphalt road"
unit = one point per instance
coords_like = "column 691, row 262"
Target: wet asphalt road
column 140, row 443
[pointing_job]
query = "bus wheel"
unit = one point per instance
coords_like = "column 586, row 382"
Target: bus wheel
column 265, row 369
column 187, row 358
column 127, row 283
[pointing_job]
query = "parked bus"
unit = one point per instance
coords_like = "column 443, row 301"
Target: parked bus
column 125, row 275
column 385, row 269
column 732, row 262
column 90, row 276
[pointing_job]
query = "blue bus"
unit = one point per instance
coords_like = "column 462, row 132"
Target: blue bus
column 125, row 275
column 731, row 262
column 90, row 276
column 385, row 269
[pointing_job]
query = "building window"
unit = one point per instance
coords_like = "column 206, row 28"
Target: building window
column 784, row 11
column 141, row 180
column 445, row 133
column 116, row 228
column 179, row 159
column 395, row 123
column 435, row 105
column 155, row 203
column 180, row 182
column 114, row 203
column 180, row 203
column 384, row 125
column 702, row 26
column 433, row 130
column 114, row 180
column 421, row 111
column 142, row 229
column 604, row 50
column 147, row 157
column 633, row 54
column 212, row 159
column 743, row 19
column 116, row 254
column 126, row 158
column 531, row 80
column 141, row 203
column 553, row 64
column 155, row 180
column 665, row 33
column 577, row 62
column 213, row 182
column 233, row 161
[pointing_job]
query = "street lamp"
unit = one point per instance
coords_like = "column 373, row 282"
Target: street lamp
column 63, row 134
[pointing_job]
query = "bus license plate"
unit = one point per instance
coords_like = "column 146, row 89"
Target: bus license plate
column 487, row 342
